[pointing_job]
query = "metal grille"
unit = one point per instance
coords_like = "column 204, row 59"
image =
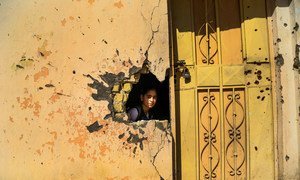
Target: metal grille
column 222, row 116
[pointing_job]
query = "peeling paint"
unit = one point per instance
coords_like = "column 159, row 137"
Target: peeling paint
column 24, row 62
column 42, row 50
column 91, row 2
column 296, row 27
column 49, row 85
column 119, row 4
column 135, row 139
column 43, row 73
column 94, row 127
column 296, row 64
column 63, row 22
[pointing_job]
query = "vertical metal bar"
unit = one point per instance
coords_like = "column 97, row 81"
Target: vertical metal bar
column 243, row 38
column 234, row 133
column 221, row 92
column 209, row 135
column 195, row 92
column 172, row 101
column 247, row 134
column 197, row 134
column 207, row 31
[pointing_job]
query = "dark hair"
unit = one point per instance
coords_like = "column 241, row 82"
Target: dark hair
column 148, row 88
column 146, row 83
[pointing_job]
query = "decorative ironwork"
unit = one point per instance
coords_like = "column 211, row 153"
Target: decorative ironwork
column 209, row 37
column 222, row 122
column 235, row 117
column 209, row 122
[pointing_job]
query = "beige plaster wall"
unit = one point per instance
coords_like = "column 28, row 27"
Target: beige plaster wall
column 50, row 51
column 286, row 40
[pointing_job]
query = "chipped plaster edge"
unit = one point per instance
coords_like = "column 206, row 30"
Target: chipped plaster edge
column 282, row 141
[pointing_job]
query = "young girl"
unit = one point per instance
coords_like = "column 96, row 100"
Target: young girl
column 144, row 111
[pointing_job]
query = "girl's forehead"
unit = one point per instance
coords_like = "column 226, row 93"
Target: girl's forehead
column 152, row 91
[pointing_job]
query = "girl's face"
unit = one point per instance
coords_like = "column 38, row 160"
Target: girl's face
column 149, row 99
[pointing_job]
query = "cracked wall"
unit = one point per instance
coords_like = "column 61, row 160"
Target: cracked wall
column 59, row 65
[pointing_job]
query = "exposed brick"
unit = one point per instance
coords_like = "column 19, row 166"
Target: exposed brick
column 118, row 107
column 118, row 97
column 125, row 97
column 118, row 102
column 116, row 88
column 127, row 87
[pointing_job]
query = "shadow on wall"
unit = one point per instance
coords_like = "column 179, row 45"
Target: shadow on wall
column 224, row 12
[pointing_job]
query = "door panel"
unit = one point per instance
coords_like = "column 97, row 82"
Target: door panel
column 209, row 75
column 233, row 75
column 235, row 144
column 230, row 32
column 224, row 109
column 261, row 133
column 209, row 133
column 187, row 133
column 205, row 32
column 256, row 31
column 184, row 34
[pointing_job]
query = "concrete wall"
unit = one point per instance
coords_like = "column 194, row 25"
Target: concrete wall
column 287, row 46
column 59, row 63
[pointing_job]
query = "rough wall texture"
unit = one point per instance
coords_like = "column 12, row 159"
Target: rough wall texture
column 286, row 22
column 59, row 62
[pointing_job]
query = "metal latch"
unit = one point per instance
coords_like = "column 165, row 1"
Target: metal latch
column 180, row 66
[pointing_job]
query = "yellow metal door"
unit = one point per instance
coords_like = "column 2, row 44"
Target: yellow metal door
column 224, row 109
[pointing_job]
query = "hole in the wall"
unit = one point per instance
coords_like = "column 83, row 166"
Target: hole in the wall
column 287, row 157
column 122, row 92
column 278, row 40
column 146, row 82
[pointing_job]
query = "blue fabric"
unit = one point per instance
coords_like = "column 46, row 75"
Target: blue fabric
column 137, row 113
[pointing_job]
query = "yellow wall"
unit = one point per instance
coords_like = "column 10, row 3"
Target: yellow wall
column 47, row 51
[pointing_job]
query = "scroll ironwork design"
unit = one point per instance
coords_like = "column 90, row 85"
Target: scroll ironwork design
column 209, row 38
column 209, row 123
column 235, row 152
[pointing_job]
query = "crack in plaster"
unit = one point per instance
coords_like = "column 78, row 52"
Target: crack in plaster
column 163, row 135
column 133, row 138
column 152, row 30
column 156, row 149
column 160, row 147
